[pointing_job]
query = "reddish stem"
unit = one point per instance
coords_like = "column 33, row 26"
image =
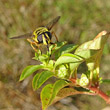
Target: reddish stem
column 73, row 80
column 100, row 93
column 96, row 90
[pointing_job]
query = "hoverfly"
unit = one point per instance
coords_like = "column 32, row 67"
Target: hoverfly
column 41, row 35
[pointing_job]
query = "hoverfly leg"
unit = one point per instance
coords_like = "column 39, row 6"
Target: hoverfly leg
column 37, row 45
column 32, row 42
column 54, row 35
column 34, row 47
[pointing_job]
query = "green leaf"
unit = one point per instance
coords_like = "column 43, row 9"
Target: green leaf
column 68, row 58
column 38, row 53
column 95, row 44
column 46, row 94
column 41, row 58
column 64, row 93
column 49, row 92
column 74, row 66
column 49, row 65
column 56, row 46
column 40, row 78
column 34, row 81
column 87, row 53
column 93, row 58
column 66, row 49
column 94, row 62
column 29, row 70
column 56, row 88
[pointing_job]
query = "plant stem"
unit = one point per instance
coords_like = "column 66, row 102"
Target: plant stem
column 96, row 91
column 101, row 94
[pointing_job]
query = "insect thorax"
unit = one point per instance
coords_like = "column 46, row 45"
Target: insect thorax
column 42, row 35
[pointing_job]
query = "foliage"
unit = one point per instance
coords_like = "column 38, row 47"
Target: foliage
column 80, row 21
column 62, row 61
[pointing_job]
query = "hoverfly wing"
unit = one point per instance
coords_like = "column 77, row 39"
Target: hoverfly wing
column 52, row 23
column 27, row 35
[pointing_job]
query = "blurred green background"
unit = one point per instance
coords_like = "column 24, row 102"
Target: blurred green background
column 81, row 20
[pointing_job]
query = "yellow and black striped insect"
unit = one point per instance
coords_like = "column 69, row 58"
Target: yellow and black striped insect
column 41, row 35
